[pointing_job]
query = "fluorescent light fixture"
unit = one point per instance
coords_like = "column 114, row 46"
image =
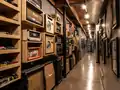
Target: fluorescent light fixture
column 84, row 6
column 87, row 16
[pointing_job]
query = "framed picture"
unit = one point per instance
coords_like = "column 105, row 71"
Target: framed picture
column 115, row 56
column 115, row 13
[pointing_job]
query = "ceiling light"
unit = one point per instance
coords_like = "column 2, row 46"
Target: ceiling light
column 88, row 26
column 87, row 22
column 103, row 25
column 87, row 16
column 84, row 6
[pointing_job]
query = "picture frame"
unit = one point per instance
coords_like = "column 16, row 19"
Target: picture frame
column 115, row 56
column 49, row 44
column 115, row 13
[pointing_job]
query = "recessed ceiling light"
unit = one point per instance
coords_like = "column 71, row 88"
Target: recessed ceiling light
column 87, row 22
column 87, row 16
column 103, row 25
column 84, row 6
column 88, row 25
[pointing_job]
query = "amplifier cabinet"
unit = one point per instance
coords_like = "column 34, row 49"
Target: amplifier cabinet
column 49, row 76
column 36, row 3
column 58, row 70
column 31, row 35
column 49, row 24
column 34, row 16
column 36, row 81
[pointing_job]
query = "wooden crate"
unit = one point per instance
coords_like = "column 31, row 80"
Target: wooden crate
column 35, row 14
column 49, row 24
column 46, row 37
column 26, row 50
column 11, row 35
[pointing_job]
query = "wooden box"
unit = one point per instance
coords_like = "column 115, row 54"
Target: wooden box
column 49, row 76
column 31, row 35
column 32, row 15
column 58, row 28
column 49, row 24
column 49, row 44
column 36, row 81
column 32, row 51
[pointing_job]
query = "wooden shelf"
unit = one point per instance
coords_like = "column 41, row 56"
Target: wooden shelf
column 59, row 34
column 35, row 42
column 9, row 36
column 33, row 6
column 7, row 6
column 33, row 47
column 7, row 20
column 9, row 51
column 36, row 59
column 29, row 23
column 10, row 66
column 3, row 85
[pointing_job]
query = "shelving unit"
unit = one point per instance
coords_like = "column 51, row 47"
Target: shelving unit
column 10, row 41
column 30, row 36
column 32, row 49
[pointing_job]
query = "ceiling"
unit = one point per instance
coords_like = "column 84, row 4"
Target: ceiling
column 93, row 9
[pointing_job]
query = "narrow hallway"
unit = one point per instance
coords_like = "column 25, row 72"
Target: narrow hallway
column 84, row 76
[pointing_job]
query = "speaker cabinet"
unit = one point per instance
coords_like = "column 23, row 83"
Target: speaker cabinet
column 36, row 81
column 49, row 76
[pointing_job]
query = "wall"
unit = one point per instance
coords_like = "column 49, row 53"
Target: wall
column 116, row 32
column 49, row 9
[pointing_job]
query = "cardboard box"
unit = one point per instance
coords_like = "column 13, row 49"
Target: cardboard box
column 49, row 76
column 36, row 81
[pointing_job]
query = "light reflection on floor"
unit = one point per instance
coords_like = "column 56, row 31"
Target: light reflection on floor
column 84, row 76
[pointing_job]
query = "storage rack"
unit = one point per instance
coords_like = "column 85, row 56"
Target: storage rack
column 48, row 33
column 29, row 23
column 10, row 37
column 24, row 25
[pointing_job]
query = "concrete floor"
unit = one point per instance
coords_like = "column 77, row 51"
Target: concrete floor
column 84, row 76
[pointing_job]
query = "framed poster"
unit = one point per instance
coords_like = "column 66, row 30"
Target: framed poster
column 115, row 13
column 115, row 56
